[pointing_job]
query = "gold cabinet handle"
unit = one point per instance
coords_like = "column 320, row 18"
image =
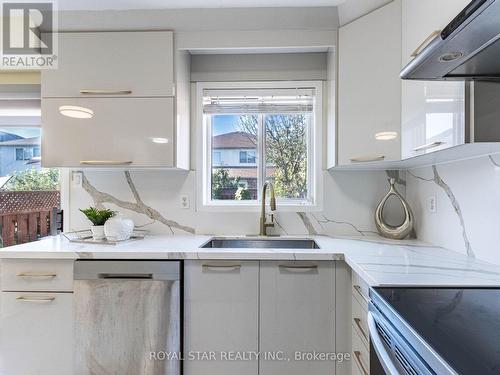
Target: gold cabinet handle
column 37, row 274
column 298, row 267
column 357, row 358
column 357, row 321
column 367, row 159
column 424, row 44
column 428, row 146
column 358, row 289
column 35, row 299
column 222, row 267
column 105, row 92
column 105, row 162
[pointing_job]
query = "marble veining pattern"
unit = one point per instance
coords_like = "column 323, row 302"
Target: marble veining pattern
column 138, row 206
column 454, row 202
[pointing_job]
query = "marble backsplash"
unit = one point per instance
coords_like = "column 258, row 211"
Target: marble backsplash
column 152, row 199
column 466, row 220
column 467, row 217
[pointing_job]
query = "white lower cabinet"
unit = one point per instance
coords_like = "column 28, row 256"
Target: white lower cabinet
column 277, row 309
column 297, row 316
column 221, row 301
column 36, row 333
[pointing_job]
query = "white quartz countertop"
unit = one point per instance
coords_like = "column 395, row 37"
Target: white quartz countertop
column 379, row 262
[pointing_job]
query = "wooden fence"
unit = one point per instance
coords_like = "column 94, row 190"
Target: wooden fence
column 26, row 216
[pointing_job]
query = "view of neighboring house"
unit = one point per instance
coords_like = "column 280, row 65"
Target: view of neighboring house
column 236, row 152
column 18, row 153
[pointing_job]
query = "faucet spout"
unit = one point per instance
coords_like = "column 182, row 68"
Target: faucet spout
column 263, row 220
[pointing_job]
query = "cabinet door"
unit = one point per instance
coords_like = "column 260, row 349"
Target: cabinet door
column 135, row 132
column 369, row 90
column 36, row 333
column 221, row 315
column 297, row 316
column 433, row 113
column 112, row 64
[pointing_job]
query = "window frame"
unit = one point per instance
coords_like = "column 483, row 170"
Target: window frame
column 314, row 139
column 32, row 91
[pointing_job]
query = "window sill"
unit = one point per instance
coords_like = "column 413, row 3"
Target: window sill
column 256, row 207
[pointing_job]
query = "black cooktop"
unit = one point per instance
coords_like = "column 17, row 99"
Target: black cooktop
column 462, row 325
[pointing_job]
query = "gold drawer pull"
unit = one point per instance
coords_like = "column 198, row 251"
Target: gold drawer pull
column 429, row 146
column 37, row 274
column 357, row 321
column 424, row 44
column 357, row 358
column 105, row 92
column 367, row 159
column 105, row 162
column 358, row 289
column 35, row 299
column 222, row 267
column 297, row 267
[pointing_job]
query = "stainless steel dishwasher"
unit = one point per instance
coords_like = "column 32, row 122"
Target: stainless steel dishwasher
column 127, row 317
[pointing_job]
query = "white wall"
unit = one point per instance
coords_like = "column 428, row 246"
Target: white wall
column 468, row 211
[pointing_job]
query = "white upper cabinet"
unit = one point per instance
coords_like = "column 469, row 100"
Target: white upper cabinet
column 96, row 64
column 433, row 113
column 124, row 132
column 117, row 99
column 369, row 87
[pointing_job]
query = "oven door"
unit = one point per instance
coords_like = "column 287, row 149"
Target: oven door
column 382, row 359
column 390, row 353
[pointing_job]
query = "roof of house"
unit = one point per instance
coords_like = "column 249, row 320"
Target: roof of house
column 34, row 141
column 5, row 136
column 234, row 140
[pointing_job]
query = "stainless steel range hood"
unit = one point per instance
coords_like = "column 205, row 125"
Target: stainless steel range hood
column 467, row 49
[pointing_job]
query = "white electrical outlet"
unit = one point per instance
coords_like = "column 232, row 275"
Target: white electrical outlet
column 185, row 201
column 432, row 204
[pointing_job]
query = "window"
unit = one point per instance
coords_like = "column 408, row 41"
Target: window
column 260, row 132
column 29, row 191
column 247, row 157
column 19, row 154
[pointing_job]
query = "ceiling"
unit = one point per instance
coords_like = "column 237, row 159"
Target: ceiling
column 171, row 4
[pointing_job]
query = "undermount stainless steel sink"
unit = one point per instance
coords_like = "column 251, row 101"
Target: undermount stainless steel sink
column 260, row 243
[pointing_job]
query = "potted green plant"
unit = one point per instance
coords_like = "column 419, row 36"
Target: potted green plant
column 97, row 218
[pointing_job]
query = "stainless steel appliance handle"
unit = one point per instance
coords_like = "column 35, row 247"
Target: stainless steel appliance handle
column 126, row 276
column 382, row 354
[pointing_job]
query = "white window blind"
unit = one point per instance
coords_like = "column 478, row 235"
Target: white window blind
column 220, row 101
